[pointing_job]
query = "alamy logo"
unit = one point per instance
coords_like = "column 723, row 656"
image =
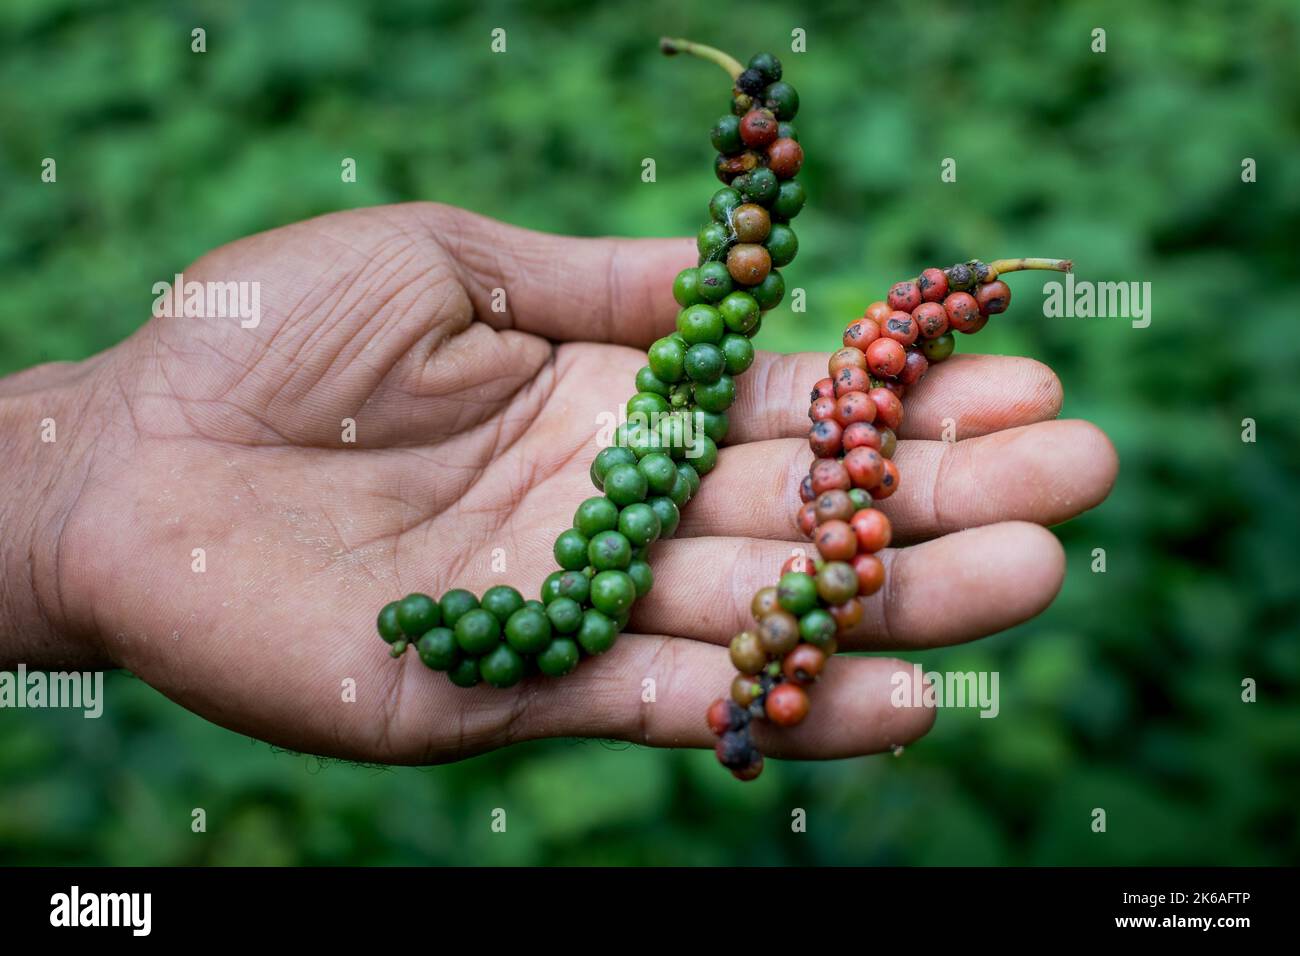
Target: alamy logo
column 949, row 689
column 71, row 690
column 74, row 908
column 1081, row 299
column 209, row 300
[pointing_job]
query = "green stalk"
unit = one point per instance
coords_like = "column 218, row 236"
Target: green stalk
column 671, row 46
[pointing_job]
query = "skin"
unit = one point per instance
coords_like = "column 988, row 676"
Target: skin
column 474, row 431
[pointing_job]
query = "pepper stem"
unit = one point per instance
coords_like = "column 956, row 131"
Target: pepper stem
column 670, row 46
column 1000, row 266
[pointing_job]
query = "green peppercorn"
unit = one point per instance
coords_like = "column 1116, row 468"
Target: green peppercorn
column 417, row 613
column 704, row 363
column 560, row 657
column 714, row 239
column 738, row 352
column 760, row 186
column 502, row 601
column 787, row 131
column 570, row 548
column 789, row 200
column 465, row 672
column 723, row 202
column 817, row 627
column 551, row 586
column 598, row 631
column 666, row 511
column 609, row 551
column 528, row 631
column 596, row 515
column 389, row 628
column 782, row 100
column 456, row 603
column 704, row 457
column 797, row 593
column 642, row 439
column 699, row 323
column 688, row 472
column 672, row 434
column 686, row 287
column 782, row 244
column 716, row 396
column 612, row 592
column 659, row 471
column 643, row 578
column 647, row 381
column 860, row 499
column 725, row 135
column 607, row 458
column 625, row 485
column 477, row 631
column 565, row 615
column 681, row 492
column 713, row 424
column 638, row 524
column 767, row 66
column 715, row 281
column 837, row 582
column 502, row 666
column 574, row 585
column 768, row 293
column 739, row 311
column 940, row 347
column 438, row 649
column 647, row 404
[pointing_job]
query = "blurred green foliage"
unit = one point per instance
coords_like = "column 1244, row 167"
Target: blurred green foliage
column 1124, row 695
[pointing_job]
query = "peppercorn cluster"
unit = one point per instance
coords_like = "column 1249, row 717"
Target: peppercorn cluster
column 675, row 422
column 856, row 412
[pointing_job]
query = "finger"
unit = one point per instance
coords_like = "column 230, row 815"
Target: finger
column 562, row 287
column 853, row 712
column 1046, row 473
column 979, row 394
column 947, row 591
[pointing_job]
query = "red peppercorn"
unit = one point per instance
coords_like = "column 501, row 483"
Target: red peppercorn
column 993, row 297
column 933, row 284
column 861, row 434
column 749, row 263
column 885, row 358
column 785, row 157
column 854, row 407
column 853, row 379
column 901, row 327
column 847, row 357
column 963, row 312
column 836, row 541
column 824, row 388
column 729, row 167
column 888, row 482
column 877, row 311
column 806, row 518
column 847, row 616
column 758, row 128
column 914, row 368
column 871, row 574
column 721, row 716
column 822, row 409
column 904, row 296
column 803, row 664
column 749, row 771
column 828, row 474
column 799, row 563
column 895, row 386
column 833, row 506
column 805, row 489
column 866, row 467
column 873, row 530
column 787, row 704
column 824, row 438
column 889, row 408
column 931, row 319
column 861, row 332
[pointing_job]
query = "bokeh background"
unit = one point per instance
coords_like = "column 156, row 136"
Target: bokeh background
column 1125, row 695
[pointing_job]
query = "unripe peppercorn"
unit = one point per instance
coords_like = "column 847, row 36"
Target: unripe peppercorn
column 904, row 296
column 836, row 582
column 748, row 263
column 764, row 602
column 960, row 277
column 847, row 615
column 888, row 440
column 745, row 689
column 778, row 631
column 730, row 168
column 797, row 564
column 939, row 348
column 747, row 653
column 751, row 222
column 933, row 284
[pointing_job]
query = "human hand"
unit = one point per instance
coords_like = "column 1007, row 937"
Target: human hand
column 474, row 431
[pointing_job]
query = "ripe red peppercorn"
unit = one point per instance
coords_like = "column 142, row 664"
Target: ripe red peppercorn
column 871, row 574
column 847, row 357
column 885, row 358
column 833, row 506
column 877, row 311
column 888, row 482
column 836, row 541
column 933, row 284
column 866, row 467
column 847, row 616
column 803, row 664
column 805, row 489
column 785, row 158
column 825, row 388
column 861, row 434
column 822, row 409
column 786, row 705
column 799, row 563
column 749, row 771
column 806, row 518
column 914, row 368
column 854, row 407
column 828, row 474
column 963, row 312
column 904, row 296
column 895, row 386
column 901, row 327
column 853, row 379
column 993, row 297
column 861, row 332
column 873, row 530
column 758, row 128
column 722, row 716
column 931, row 319
column 889, row 408
column 824, row 438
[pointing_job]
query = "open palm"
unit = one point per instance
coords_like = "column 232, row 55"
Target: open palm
column 474, row 431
